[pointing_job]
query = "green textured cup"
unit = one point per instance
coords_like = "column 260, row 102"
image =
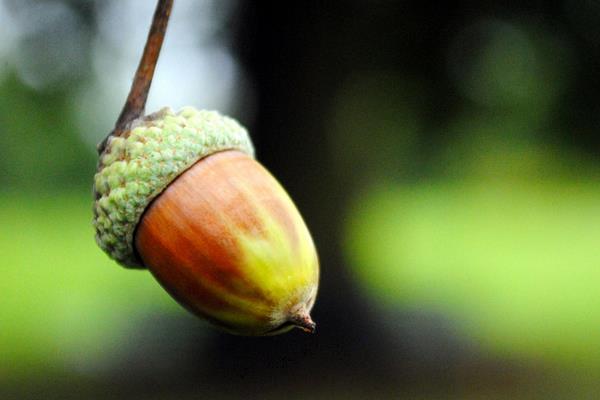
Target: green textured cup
column 137, row 166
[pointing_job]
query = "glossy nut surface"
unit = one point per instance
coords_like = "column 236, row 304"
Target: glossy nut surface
column 227, row 242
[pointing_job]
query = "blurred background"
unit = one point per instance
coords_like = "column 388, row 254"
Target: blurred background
column 446, row 156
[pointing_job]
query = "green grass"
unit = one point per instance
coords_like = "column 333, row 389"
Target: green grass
column 63, row 300
column 517, row 263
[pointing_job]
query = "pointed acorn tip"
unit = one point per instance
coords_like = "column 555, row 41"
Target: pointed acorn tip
column 303, row 321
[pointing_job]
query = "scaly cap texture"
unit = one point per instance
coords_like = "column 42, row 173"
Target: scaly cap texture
column 137, row 166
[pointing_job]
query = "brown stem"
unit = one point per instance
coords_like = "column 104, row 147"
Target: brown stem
column 138, row 94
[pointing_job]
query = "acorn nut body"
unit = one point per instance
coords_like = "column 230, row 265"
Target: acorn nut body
column 181, row 194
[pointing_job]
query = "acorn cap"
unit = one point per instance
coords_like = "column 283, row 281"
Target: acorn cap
column 137, row 166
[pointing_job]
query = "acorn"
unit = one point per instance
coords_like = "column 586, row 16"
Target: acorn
column 180, row 193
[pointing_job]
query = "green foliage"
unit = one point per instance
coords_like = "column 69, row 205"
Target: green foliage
column 39, row 145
